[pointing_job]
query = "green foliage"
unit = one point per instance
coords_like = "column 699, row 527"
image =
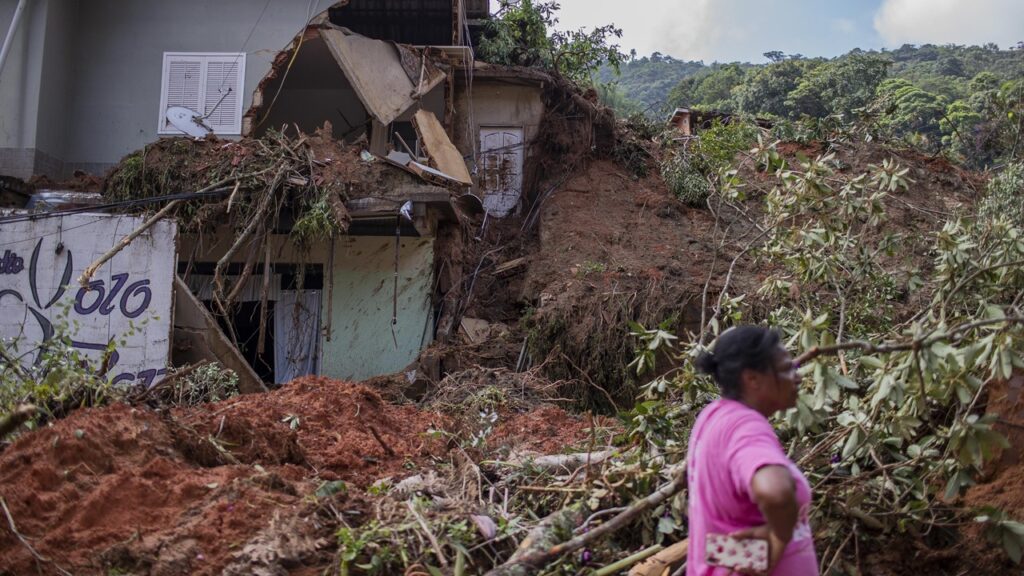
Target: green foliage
column 689, row 171
column 839, row 87
column 684, row 179
column 1004, row 196
column 908, row 112
column 523, row 34
column 612, row 95
column 767, row 89
column 207, row 383
column 367, row 548
column 718, row 145
column 589, row 267
column 967, row 101
column 987, row 127
column 711, row 90
column 316, row 224
column 631, row 145
column 61, row 379
column 888, row 414
column 1002, row 531
column 643, row 84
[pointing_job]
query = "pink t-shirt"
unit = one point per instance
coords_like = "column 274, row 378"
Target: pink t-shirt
column 728, row 444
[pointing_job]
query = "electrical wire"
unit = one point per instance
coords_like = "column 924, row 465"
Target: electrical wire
column 241, row 50
column 114, row 205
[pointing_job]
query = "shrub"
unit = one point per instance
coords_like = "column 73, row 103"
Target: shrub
column 1003, row 197
column 684, row 179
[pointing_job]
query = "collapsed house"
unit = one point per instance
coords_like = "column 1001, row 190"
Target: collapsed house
column 414, row 138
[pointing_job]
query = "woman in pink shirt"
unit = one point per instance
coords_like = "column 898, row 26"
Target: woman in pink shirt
column 741, row 483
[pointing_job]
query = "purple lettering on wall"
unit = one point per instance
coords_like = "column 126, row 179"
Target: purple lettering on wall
column 104, row 300
column 144, row 378
column 95, row 287
column 11, row 263
column 140, row 288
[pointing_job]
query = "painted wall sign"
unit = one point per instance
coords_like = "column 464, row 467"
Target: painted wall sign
column 128, row 301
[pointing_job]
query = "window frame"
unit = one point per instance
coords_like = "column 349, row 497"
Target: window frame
column 205, row 59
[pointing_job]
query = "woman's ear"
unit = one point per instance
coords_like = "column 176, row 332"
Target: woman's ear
column 750, row 380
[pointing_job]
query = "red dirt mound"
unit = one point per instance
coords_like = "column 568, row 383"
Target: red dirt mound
column 341, row 430
column 187, row 491
column 177, row 493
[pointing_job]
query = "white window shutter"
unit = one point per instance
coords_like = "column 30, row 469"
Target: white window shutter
column 210, row 84
column 222, row 102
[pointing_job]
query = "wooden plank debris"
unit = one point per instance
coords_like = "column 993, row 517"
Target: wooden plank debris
column 510, row 266
column 444, row 156
column 475, row 329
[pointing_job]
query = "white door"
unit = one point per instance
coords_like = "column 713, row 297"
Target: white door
column 501, row 163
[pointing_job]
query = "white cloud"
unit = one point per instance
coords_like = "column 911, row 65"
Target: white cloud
column 689, row 29
column 728, row 30
column 950, row 21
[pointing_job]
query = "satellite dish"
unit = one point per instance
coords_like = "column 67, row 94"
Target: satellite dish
column 188, row 121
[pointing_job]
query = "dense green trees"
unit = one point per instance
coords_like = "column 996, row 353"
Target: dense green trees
column 965, row 101
column 712, row 89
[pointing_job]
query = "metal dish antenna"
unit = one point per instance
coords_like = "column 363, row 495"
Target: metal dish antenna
column 188, row 121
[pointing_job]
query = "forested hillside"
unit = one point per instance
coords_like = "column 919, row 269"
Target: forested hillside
column 957, row 98
column 642, row 84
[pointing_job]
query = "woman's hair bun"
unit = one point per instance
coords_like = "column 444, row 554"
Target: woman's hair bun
column 707, row 363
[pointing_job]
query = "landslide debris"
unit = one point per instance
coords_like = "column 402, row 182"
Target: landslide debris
column 249, row 485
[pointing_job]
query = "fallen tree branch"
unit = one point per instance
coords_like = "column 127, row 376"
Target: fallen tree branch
column 166, row 381
column 954, row 335
column 532, row 553
column 91, row 269
column 616, row 567
column 256, row 219
column 376, row 436
column 663, row 561
column 554, row 463
column 88, row 273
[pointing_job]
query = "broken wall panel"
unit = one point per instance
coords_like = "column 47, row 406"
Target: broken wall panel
column 354, row 333
column 443, row 154
column 374, row 68
column 198, row 338
column 497, row 102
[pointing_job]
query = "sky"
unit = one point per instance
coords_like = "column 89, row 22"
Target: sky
column 743, row 30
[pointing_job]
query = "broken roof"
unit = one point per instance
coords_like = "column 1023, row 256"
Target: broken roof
column 375, row 69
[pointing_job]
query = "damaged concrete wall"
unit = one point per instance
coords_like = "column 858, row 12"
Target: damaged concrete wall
column 359, row 318
column 496, row 103
column 316, row 90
